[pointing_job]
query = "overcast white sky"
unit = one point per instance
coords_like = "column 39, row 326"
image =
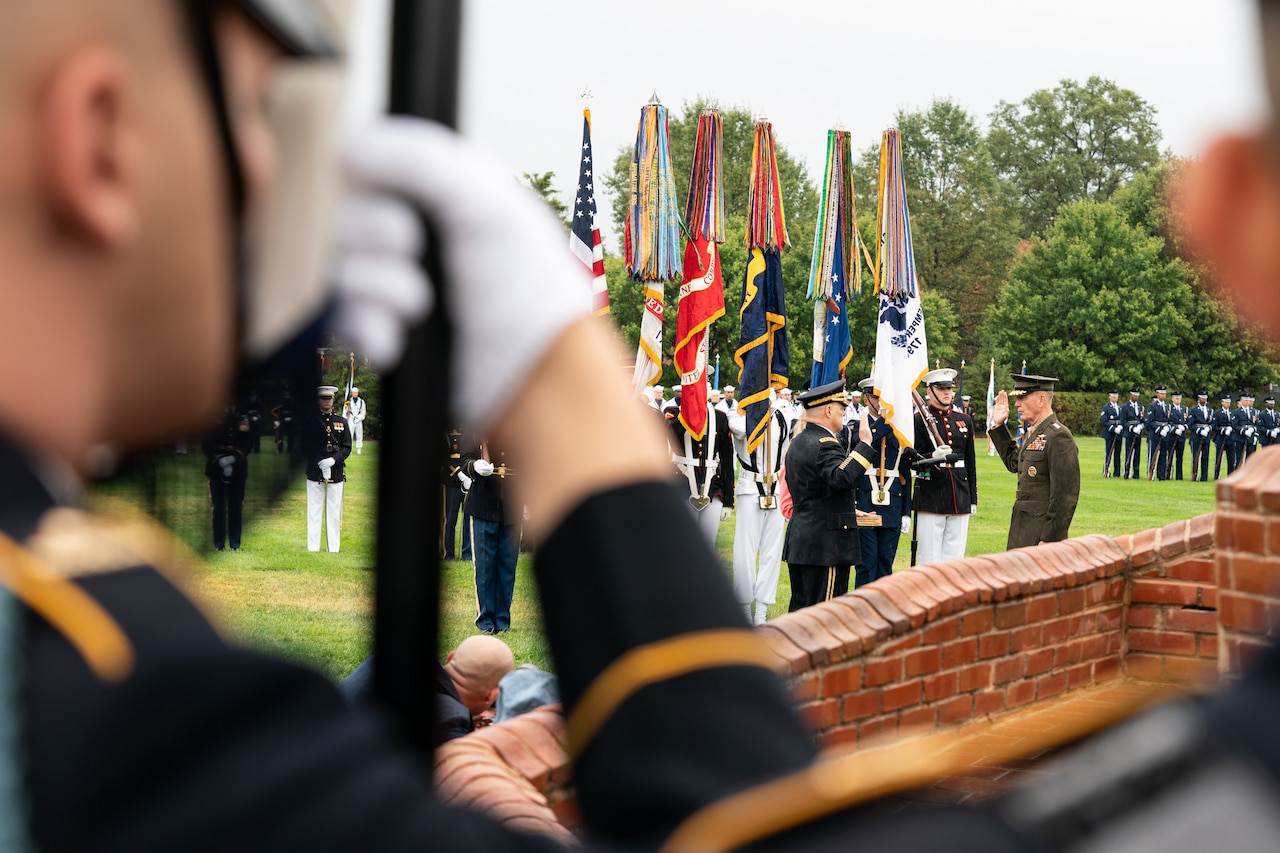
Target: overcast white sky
column 808, row 64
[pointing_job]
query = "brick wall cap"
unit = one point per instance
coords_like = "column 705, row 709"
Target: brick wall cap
column 882, row 605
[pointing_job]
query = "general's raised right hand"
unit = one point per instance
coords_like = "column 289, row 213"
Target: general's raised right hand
column 1000, row 411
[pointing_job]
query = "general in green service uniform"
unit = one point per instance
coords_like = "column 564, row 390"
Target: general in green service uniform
column 1047, row 463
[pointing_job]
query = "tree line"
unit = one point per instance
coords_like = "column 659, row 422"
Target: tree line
column 1051, row 237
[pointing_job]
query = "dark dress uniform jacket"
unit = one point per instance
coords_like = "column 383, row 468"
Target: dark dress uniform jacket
column 948, row 489
column 822, row 476
column 323, row 436
column 723, row 480
column 1048, row 469
column 486, row 498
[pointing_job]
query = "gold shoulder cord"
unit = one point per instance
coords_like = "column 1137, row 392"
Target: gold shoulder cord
column 657, row 662
column 69, row 609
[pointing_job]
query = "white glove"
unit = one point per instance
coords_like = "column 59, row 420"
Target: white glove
column 1137, row 428
column 226, row 463
column 1226, row 430
column 725, row 512
column 1164, row 431
column 973, row 509
column 483, row 468
column 1180, row 430
column 1117, row 429
column 512, row 285
column 325, row 466
column 1248, row 431
column 941, row 451
column 906, row 525
column 465, row 480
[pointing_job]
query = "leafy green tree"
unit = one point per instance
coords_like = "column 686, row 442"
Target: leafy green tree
column 543, row 184
column 1070, row 144
column 1099, row 302
column 963, row 232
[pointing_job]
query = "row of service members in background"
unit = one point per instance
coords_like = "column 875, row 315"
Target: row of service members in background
column 326, row 441
column 1170, row 427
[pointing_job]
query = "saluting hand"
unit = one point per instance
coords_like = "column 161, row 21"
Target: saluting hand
column 864, row 429
column 1000, row 411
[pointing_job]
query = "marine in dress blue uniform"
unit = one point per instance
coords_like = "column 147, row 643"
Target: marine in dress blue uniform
column 885, row 491
column 1112, row 434
column 1200, row 429
column 1132, row 415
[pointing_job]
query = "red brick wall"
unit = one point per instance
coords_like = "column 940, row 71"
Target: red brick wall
column 940, row 645
column 1248, row 559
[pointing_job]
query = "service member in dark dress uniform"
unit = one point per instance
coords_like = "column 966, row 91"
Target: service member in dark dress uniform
column 1223, row 421
column 709, row 484
column 1047, row 463
column 1200, row 427
column 1132, row 415
column 453, row 480
column 822, row 475
column 1179, row 420
column 1156, row 425
column 326, row 444
column 1268, row 423
column 946, row 495
column 885, row 492
column 495, row 532
column 1244, row 430
column 1112, row 434
column 226, row 452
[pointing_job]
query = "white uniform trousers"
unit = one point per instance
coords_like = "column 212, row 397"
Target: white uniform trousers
column 708, row 520
column 757, row 551
column 941, row 537
column 357, row 435
column 324, row 499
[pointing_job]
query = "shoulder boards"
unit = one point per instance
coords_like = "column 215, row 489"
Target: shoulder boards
column 829, row 438
column 1057, row 426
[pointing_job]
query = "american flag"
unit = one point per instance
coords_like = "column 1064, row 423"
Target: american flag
column 584, row 238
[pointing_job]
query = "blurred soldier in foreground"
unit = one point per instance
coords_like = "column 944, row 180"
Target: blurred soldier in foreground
column 1047, row 463
column 136, row 147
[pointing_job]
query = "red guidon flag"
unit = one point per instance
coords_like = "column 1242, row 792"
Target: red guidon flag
column 699, row 304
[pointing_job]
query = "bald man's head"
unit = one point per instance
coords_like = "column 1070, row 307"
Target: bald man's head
column 476, row 667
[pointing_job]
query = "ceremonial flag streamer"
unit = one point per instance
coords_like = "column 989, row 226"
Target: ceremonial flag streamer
column 701, row 299
column 584, row 237
column 902, row 354
column 351, row 383
column 763, row 357
column 651, row 235
column 834, row 261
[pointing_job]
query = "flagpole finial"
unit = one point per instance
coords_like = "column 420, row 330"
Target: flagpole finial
column 653, row 99
column 839, row 125
column 586, row 94
column 1024, row 367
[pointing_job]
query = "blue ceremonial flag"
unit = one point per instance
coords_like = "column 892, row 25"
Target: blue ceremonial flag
column 762, row 354
column 831, row 351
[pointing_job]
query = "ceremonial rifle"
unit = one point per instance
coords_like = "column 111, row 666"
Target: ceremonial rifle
column 425, row 37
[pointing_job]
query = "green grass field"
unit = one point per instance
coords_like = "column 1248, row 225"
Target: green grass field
column 315, row 608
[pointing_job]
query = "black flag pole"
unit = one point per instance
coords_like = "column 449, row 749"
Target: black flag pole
column 425, row 35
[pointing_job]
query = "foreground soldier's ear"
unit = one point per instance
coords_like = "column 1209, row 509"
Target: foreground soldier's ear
column 1231, row 201
column 82, row 149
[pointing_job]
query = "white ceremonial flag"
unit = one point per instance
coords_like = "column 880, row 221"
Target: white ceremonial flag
column 902, row 360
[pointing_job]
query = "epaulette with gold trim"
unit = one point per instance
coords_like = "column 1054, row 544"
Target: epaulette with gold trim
column 829, row 438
